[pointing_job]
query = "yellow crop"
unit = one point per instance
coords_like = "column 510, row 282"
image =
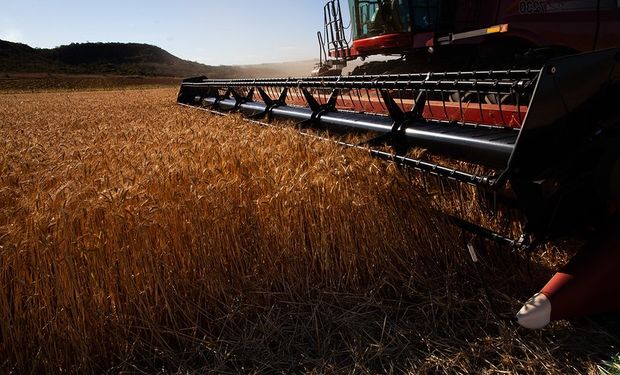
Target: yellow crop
column 138, row 235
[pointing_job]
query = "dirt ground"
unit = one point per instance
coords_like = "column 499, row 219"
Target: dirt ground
column 38, row 82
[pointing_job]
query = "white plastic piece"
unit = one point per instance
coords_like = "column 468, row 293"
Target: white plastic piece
column 472, row 253
column 536, row 313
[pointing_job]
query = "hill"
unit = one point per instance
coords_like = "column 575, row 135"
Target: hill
column 126, row 59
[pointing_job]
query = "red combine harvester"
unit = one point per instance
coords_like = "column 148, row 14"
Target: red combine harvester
column 456, row 34
column 548, row 130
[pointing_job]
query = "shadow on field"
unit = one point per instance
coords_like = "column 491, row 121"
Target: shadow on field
column 439, row 323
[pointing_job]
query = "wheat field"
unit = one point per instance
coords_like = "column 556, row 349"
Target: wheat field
column 138, row 236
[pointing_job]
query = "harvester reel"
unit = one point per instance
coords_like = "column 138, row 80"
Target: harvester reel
column 524, row 127
column 543, row 133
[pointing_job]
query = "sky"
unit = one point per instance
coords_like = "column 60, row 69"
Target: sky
column 208, row 31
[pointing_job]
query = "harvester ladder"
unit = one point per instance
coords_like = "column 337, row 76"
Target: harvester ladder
column 335, row 32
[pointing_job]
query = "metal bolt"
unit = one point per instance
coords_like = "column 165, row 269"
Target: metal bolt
column 553, row 70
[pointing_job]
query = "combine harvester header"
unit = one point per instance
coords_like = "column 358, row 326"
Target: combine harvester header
column 552, row 136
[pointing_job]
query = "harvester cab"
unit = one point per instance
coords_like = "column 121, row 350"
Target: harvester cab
column 463, row 34
column 548, row 138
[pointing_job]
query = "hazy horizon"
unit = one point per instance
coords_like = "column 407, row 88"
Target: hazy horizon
column 209, row 32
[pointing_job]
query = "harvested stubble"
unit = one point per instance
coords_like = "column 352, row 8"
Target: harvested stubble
column 39, row 82
column 137, row 235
